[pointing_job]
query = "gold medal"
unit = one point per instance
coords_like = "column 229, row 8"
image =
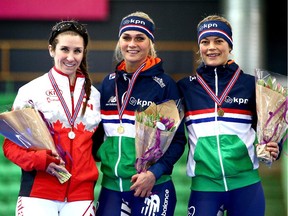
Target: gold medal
column 220, row 112
column 120, row 129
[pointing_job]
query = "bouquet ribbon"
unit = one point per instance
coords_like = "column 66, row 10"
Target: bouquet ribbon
column 152, row 154
column 155, row 128
column 285, row 105
column 59, row 148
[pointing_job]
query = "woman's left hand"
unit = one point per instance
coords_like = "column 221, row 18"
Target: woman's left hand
column 273, row 148
column 143, row 183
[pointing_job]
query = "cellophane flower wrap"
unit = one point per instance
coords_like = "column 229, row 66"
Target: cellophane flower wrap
column 155, row 129
column 27, row 128
column 271, row 105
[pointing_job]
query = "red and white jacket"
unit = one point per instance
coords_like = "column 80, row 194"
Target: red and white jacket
column 35, row 181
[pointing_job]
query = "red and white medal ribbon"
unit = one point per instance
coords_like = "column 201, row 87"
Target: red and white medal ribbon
column 214, row 97
column 120, row 108
column 71, row 118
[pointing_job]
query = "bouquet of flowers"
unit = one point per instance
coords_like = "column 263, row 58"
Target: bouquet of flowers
column 27, row 128
column 272, row 105
column 155, row 129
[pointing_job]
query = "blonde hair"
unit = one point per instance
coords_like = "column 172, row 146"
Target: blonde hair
column 118, row 57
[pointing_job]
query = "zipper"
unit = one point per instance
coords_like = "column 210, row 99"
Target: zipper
column 120, row 142
column 69, row 166
column 217, row 133
column 117, row 164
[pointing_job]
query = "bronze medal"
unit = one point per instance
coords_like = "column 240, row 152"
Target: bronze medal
column 220, row 112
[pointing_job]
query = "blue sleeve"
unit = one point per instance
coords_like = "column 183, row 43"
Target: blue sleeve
column 98, row 139
column 164, row 166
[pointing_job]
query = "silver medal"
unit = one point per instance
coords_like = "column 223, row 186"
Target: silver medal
column 71, row 135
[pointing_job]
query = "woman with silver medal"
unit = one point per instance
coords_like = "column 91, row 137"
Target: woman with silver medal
column 71, row 106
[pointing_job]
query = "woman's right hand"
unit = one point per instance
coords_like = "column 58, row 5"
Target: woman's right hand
column 143, row 184
column 54, row 168
column 54, row 164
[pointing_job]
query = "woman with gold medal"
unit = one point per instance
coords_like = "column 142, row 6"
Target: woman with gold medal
column 138, row 80
column 220, row 112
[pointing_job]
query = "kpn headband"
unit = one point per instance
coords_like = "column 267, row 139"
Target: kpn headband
column 137, row 24
column 215, row 28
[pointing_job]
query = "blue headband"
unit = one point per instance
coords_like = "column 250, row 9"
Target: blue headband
column 138, row 24
column 215, row 28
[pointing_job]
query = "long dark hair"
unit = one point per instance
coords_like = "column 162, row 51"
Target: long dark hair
column 73, row 27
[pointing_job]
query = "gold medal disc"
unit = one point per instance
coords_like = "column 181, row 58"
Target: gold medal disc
column 120, row 129
column 220, row 112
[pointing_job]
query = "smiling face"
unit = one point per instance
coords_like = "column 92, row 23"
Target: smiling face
column 68, row 53
column 214, row 51
column 135, row 48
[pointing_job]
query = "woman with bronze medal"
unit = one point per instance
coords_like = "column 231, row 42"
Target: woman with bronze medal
column 220, row 111
column 71, row 107
column 138, row 80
